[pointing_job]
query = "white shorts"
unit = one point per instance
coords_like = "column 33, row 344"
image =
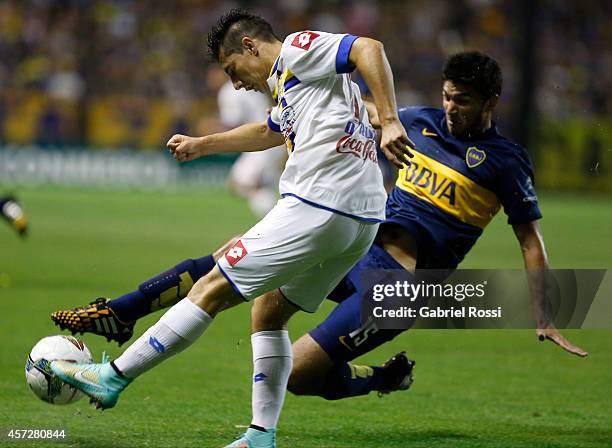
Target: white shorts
column 301, row 249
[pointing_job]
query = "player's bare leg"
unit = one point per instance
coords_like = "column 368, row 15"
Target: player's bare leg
column 213, row 293
column 310, row 366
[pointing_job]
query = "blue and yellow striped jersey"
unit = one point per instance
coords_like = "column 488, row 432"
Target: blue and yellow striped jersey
column 453, row 188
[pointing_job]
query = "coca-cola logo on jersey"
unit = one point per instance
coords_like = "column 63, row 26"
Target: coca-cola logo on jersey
column 360, row 144
column 363, row 149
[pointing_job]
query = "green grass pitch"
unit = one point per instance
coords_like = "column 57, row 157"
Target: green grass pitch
column 472, row 388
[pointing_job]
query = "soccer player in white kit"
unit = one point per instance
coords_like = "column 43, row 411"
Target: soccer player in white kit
column 332, row 201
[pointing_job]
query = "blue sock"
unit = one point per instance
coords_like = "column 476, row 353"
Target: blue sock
column 349, row 380
column 162, row 290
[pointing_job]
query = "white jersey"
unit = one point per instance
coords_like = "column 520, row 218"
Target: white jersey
column 332, row 162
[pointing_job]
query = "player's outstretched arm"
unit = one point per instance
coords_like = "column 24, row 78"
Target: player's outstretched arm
column 536, row 263
column 246, row 138
column 368, row 55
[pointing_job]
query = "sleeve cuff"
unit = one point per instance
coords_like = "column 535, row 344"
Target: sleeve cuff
column 343, row 64
column 273, row 126
column 532, row 215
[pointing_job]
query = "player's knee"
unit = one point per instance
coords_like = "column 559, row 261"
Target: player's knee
column 266, row 320
column 271, row 312
column 213, row 293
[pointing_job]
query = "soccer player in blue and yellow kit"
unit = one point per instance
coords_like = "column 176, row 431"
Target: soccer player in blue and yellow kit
column 462, row 173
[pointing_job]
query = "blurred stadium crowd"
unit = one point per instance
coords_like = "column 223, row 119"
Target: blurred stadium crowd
column 129, row 73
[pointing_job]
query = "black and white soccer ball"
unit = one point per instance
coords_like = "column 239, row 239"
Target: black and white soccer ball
column 43, row 382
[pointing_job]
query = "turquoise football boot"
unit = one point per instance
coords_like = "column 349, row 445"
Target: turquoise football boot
column 253, row 438
column 99, row 381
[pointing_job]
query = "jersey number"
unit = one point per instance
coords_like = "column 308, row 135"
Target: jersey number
column 303, row 40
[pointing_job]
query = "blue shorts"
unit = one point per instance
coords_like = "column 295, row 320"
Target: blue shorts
column 342, row 334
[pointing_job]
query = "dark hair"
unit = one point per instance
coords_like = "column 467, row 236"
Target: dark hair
column 229, row 30
column 475, row 70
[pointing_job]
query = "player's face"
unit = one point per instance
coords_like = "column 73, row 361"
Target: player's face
column 246, row 71
column 464, row 109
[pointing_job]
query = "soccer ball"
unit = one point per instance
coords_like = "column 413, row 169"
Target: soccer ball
column 42, row 380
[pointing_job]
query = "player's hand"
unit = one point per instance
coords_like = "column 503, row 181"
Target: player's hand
column 184, row 148
column 552, row 334
column 395, row 144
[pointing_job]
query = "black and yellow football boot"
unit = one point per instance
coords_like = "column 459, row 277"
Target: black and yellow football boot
column 96, row 318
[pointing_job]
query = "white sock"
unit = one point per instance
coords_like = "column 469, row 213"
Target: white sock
column 180, row 327
column 272, row 363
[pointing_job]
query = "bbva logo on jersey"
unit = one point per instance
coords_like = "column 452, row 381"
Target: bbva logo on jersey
column 304, row 40
column 422, row 179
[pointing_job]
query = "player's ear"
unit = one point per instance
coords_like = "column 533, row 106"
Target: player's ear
column 249, row 45
column 490, row 104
